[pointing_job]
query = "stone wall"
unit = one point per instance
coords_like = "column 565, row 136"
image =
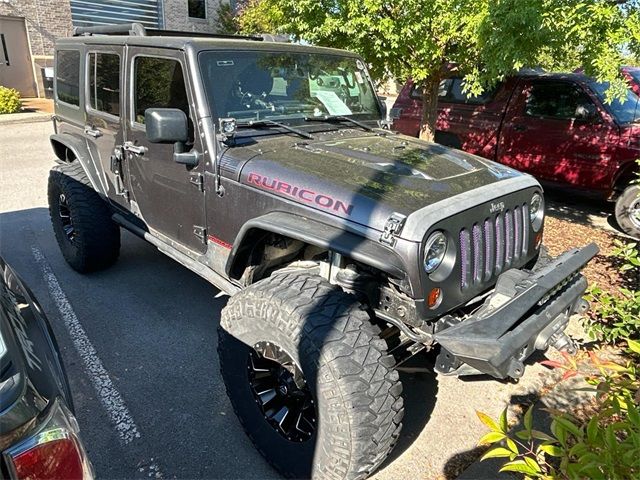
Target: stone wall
column 176, row 16
column 46, row 20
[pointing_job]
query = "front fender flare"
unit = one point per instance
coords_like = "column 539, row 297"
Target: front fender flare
column 313, row 232
column 69, row 148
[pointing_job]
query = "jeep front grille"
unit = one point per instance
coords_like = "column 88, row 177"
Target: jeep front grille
column 489, row 247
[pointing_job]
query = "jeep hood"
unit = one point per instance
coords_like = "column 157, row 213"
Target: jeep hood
column 364, row 177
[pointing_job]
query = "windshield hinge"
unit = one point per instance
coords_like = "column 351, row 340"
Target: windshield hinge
column 392, row 228
column 200, row 232
column 197, row 179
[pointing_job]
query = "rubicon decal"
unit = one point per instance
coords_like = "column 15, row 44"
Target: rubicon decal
column 309, row 196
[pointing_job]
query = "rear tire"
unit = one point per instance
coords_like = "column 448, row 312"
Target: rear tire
column 628, row 211
column 329, row 338
column 87, row 236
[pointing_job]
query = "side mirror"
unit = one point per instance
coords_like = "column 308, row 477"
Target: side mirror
column 586, row 112
column 170, row 125
column 166, row 125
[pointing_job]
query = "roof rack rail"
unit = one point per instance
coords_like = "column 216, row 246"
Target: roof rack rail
column 139, row 30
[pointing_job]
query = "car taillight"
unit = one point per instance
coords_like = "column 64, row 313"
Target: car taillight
column 54, row 451
column 54, row 459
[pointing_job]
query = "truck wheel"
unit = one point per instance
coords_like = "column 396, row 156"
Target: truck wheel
column 88, row 238
column 628, row 211
column 309, row 378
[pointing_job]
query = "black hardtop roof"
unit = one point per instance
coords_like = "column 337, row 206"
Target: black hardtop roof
column 136, row 34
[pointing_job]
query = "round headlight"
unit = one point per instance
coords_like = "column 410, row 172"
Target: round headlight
column 536, row 211
column 434, row 251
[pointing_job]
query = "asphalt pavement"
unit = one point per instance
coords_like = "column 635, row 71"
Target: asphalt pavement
column 139, row 344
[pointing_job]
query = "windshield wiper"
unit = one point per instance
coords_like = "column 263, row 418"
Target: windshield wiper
column 272, row 123
column 337, row 119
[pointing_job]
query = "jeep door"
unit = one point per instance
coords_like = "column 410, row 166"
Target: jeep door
column 165, row 194
column 103, row 126
column 544, row 135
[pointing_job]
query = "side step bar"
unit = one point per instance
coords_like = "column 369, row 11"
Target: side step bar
column 205, row 272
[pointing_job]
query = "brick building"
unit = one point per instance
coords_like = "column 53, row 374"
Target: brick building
column 28, row 29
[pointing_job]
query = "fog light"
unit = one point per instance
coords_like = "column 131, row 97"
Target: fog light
column 434, row 298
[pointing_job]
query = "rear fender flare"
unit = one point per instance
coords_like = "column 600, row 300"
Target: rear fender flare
column 312, row 232
column 69, row 148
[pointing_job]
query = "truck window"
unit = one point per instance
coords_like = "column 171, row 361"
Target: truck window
column 159, row 83
column 68, row 76
column 557, row 100
column 443, row 89
column 450, row 91
column 104, row 82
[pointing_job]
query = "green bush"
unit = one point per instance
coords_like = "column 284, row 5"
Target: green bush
column 9, row 100
column 604, row 445
column 617, row 317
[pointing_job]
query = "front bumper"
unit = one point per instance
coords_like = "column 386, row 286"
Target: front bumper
column 527, row 311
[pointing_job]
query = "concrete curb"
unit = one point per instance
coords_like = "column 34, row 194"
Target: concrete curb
column 24, row 117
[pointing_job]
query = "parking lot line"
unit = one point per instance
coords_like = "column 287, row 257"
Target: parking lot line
column 107, row 393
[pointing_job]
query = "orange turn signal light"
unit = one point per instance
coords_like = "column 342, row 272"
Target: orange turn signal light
column 538, row 239
column 434, row 298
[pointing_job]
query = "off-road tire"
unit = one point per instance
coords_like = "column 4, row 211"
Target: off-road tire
column 351, row 376
column 626, row 204
column 96, row 242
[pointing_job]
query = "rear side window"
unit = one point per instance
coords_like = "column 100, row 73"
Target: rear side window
column 443, row 88
column 555, row 100
column 68, row 76
column 159, row 83
column 104, row 82
column 450, row 90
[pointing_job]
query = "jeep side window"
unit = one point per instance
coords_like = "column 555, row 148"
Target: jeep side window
column 104, row 82
column 558, row 100
column 159, row 83
column 68, row 76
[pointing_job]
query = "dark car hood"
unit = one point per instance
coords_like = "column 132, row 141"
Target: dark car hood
column 361, row 177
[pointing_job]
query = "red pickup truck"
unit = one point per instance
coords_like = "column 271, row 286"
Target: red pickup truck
column 555, row 126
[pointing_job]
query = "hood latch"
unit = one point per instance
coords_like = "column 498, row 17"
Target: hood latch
column 392, row 228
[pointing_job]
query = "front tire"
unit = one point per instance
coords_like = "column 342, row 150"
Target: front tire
column 321, row 335
column 628, row 211
column 87, row 236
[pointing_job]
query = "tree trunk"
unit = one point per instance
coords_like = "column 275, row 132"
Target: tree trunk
column 429, row 107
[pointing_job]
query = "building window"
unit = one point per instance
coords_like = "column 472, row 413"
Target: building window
column 104, row 82
column 68, row 76
column 197, row 9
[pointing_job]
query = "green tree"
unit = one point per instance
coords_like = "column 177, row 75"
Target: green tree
column 484, row 40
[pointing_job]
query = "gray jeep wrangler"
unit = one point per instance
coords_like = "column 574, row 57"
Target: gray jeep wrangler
column 346, row 249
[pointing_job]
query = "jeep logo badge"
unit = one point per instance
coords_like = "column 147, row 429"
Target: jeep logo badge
column 496, row 207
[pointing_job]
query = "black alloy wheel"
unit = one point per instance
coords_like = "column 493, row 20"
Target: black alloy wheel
column 65, row 218
column 281, row 392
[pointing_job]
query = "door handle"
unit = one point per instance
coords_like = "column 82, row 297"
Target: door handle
column 519, row 128
column 92, row 132
column 137, row 149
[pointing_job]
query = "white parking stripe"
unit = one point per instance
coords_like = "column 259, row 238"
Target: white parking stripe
column 107, row 393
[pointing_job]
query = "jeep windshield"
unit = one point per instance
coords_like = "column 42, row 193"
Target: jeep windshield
column 287, row 87
column 626, row 110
